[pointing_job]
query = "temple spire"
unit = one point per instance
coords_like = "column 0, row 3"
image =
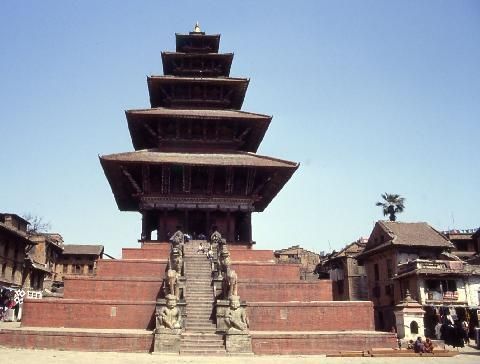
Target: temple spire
column 197, row 28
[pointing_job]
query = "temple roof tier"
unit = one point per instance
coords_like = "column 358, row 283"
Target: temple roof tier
column 241, row 175
column 202, row 128
column 238, row 159
column 201, row 93
column 197, row 64
column 197, row 42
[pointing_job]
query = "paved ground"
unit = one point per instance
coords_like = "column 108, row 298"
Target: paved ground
column 72, row 357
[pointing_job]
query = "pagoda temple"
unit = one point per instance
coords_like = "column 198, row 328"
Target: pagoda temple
column 195, row 163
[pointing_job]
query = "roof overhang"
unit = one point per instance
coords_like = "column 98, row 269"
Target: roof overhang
column 164, row 90
column 114, row 165
column 144, row 124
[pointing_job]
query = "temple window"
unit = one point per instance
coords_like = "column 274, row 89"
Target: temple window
column 414, row 327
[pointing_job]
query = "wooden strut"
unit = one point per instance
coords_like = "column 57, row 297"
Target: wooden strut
column 132, row 181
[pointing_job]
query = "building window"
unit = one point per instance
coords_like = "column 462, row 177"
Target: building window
column 340, row 287
column 377, row 273
column 90, row 268
column 414, row 327
column 4, row 267
column 14, row 271
column 65, row 268
column 389, row 268
column 388, row 290
column 77, row 269
column 449, row 285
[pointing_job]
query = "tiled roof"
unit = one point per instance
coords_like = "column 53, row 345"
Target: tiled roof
column 198, row 113
column 418, row 234
column 76, row 249
column 414, row 234
column 238, row 159
column 16, row 232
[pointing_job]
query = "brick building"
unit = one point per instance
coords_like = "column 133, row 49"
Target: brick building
column 465, row 246
column 14, row 242
column 296, row 254
column 390, row 247
column 349, row 279
column 45, row 254
column 78, row 260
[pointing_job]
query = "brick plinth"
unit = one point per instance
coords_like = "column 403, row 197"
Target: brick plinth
column 144, row 254
column 131, row 268
column 250, row 255
column 311, row 316
column 267, row 272
column 89, row 314
column 304, row 343
column 78, row 341
column 112, row 288
column 320, row 290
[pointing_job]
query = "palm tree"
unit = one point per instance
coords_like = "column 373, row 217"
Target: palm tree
column 392, row 204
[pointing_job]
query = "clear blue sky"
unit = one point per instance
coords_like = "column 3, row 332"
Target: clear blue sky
column 369, row 96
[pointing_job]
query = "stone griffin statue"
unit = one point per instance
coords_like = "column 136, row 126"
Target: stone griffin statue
column 224, row 261
column 229, row 284
column 172, row 283
column 235, row 317
column 175, row 261
column 215, row 238
column 168, row 317
column 177, row 239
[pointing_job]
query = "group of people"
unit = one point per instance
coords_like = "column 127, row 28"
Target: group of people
column 420, row 346
column 9, row 304
column 205, row 249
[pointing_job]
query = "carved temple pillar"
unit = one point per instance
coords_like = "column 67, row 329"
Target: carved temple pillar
column 146, row 232
column 207, row 223
column 186, row 222
column 230, row 227
column 248, row 218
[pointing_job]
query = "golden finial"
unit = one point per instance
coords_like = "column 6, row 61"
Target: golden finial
column 197, row 28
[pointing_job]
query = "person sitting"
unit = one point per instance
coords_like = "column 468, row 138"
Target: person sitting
column 410, row 345
column 201, row 248
column 210, row 254
column 428, row 346
column 419, row 347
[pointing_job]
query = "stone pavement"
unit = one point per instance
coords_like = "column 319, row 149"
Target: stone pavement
column 72, row 357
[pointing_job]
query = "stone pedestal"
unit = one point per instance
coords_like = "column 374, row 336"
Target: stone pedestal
column 221, row 307
column 409, row 319
column 167, row 341
column 238, row 342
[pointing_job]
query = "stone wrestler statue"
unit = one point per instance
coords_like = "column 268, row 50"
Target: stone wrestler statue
column 169, row 317
column 236, row 317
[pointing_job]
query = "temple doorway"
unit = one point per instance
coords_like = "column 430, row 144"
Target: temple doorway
column 197, row 223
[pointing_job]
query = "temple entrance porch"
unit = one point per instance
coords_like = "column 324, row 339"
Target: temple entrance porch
column 235, row 226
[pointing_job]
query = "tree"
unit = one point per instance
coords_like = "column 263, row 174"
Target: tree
column 36, row 224
column 391, row 205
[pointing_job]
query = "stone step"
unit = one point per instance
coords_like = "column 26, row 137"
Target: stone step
column 202, row 345
column 201, row 326
column 199, row 352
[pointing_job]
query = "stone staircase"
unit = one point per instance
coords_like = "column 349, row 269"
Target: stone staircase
column 199, row 337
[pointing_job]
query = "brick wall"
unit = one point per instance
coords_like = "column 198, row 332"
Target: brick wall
column 126, row 289
column 131, row 268
column 319, row 343
column 89, row 314
column 306, row 316
column 267, row 271
column 78, row 341
column 320, row 290
column 252, row 255
column 139, row 253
